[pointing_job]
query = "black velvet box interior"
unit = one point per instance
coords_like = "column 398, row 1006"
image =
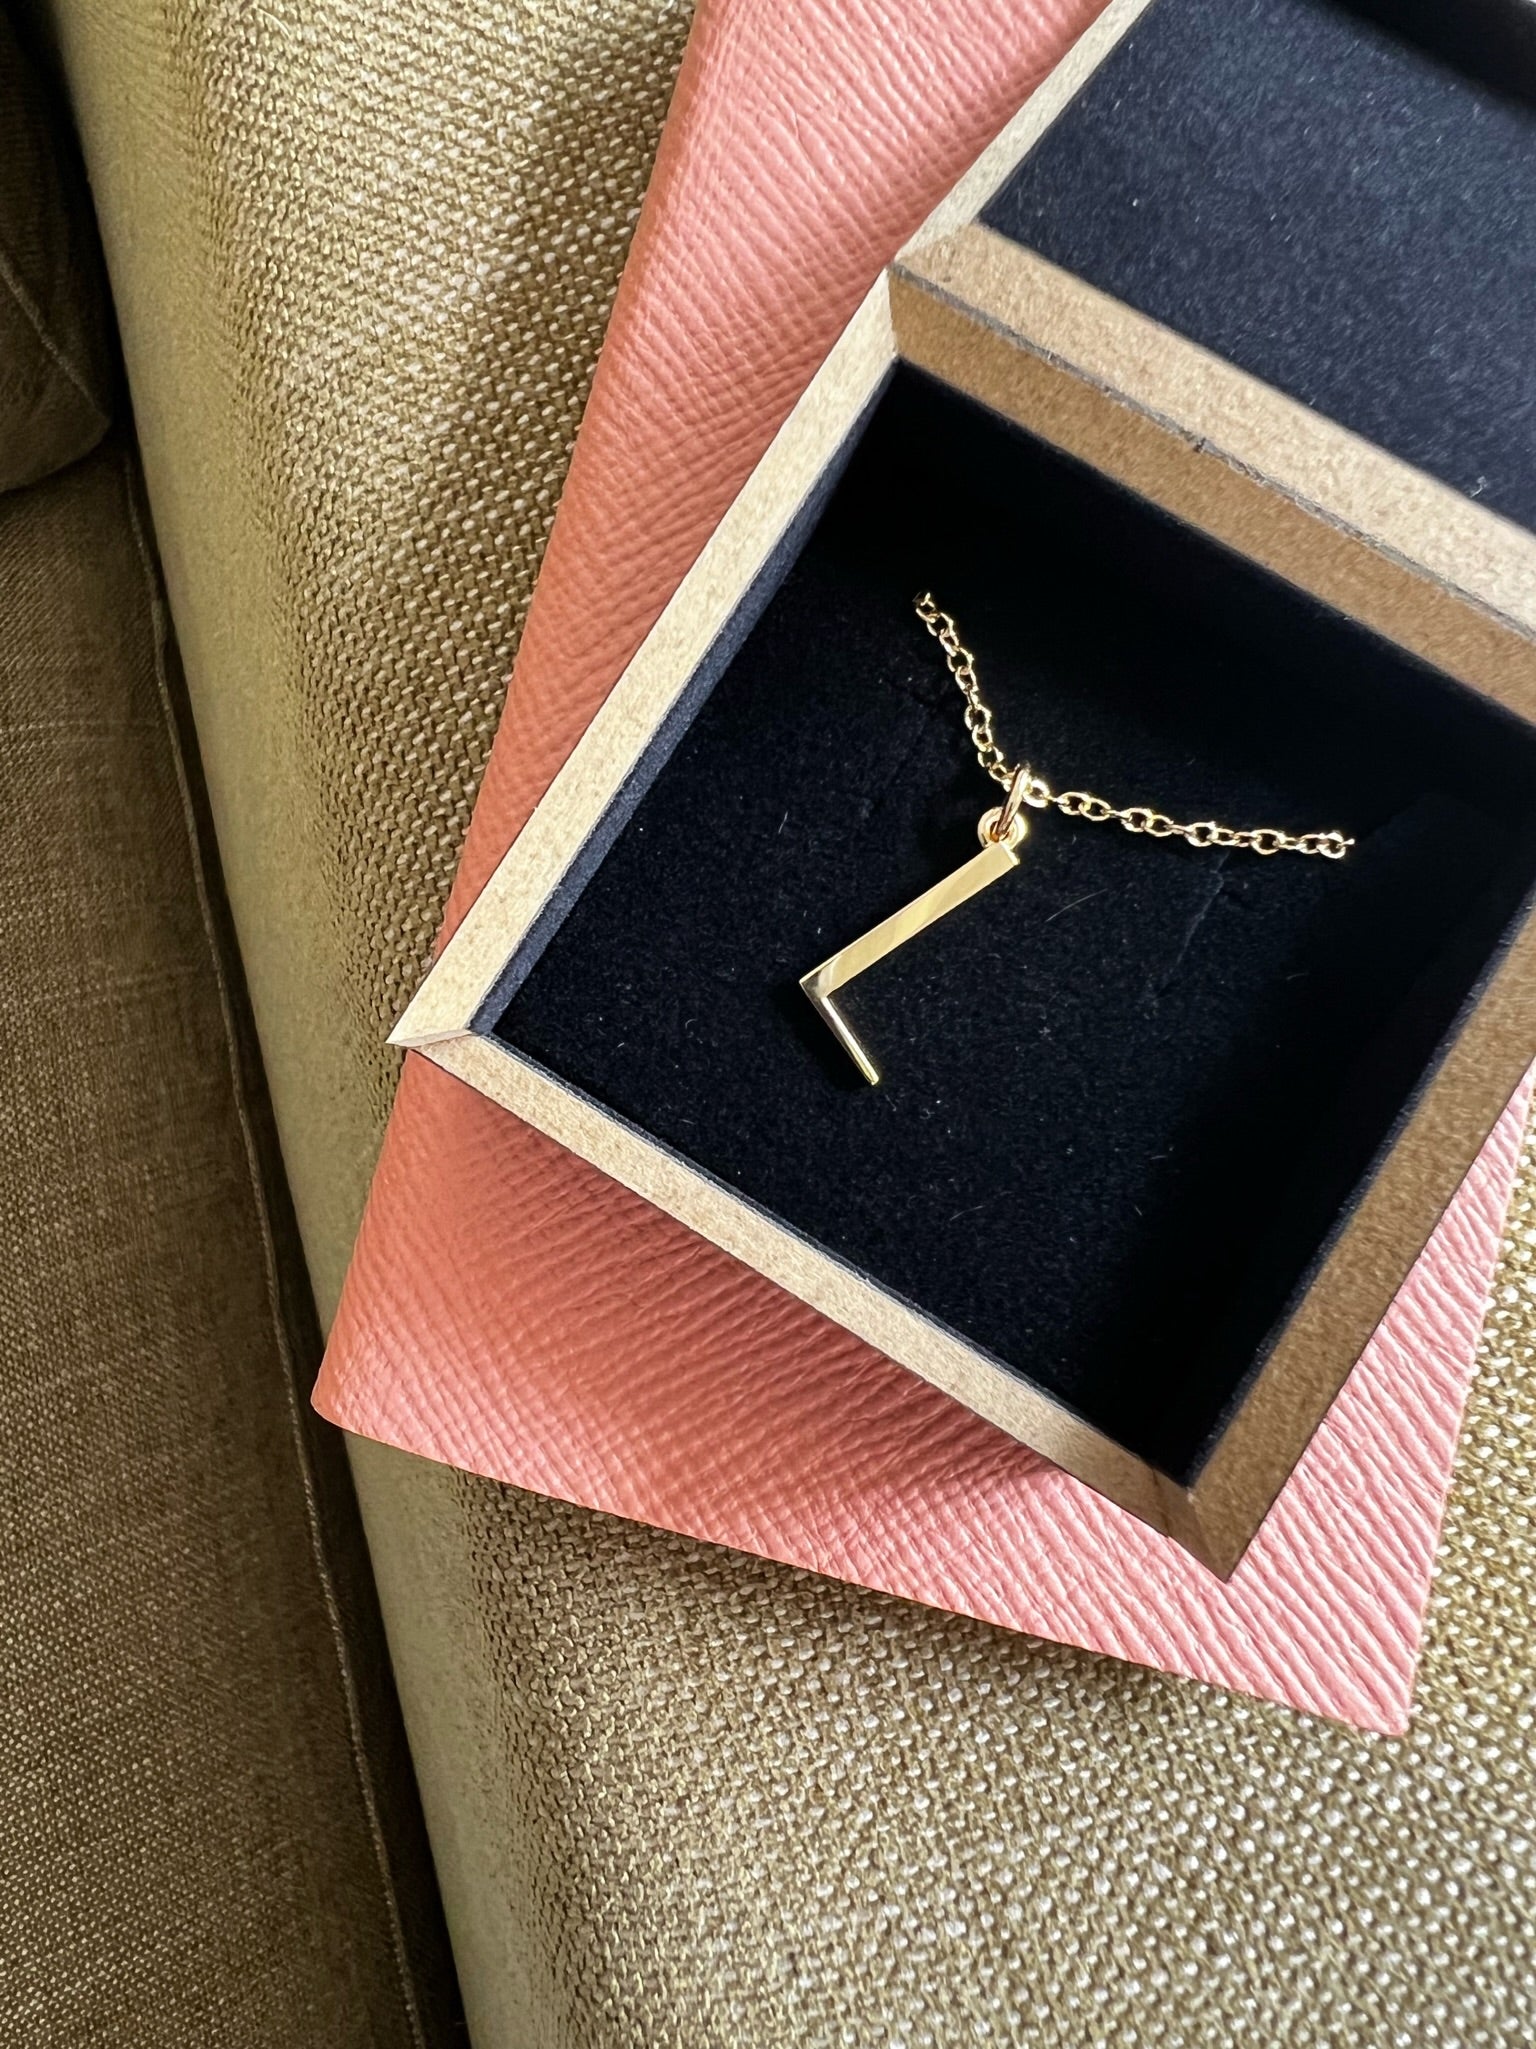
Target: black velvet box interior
column 1131, row 1089
column 1338, row 196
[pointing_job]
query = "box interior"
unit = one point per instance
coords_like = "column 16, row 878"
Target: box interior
column 1340, row 199
column 1130, row 1089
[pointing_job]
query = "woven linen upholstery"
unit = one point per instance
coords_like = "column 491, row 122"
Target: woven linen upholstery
column 190, row 1847
column 208, row 1831
column 680, row 1796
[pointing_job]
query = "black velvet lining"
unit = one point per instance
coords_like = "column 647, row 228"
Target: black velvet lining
column 1130, row 1089
column 1345, row 209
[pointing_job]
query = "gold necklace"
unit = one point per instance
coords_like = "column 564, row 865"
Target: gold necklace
column 1002, row 831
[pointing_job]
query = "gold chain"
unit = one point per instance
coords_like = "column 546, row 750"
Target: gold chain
column 1028, row 788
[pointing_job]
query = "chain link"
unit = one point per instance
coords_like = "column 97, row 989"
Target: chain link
column 1035, row 791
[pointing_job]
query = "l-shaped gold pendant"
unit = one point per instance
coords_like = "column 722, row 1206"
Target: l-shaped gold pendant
column 997, row 856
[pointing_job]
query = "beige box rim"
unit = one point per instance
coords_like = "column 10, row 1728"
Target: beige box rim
column 1414, row 560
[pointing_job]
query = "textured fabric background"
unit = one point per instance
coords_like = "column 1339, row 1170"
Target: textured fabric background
column 362, row 257
column 208, row 1829
column 190, row 1847
column 679, row 1796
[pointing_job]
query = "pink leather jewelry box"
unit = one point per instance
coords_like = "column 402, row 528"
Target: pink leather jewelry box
column 486, row 1343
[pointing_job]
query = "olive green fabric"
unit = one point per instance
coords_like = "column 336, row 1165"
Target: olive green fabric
column 191, row 1848
column 208, row 1826
column 679, row 1796
column 54, row 354
column 361, row 257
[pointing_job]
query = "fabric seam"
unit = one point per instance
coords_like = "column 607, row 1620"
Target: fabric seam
column 31, row 312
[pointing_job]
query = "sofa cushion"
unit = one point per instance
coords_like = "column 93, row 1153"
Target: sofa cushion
column 194, row 1845
column 55, row 375
column 208, row 1827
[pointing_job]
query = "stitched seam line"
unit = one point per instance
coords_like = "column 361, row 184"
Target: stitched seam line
column 31, row 312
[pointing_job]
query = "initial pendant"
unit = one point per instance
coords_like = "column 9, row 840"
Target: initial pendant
column 1001, row 833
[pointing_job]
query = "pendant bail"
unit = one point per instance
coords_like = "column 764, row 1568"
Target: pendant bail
column 1008, row 816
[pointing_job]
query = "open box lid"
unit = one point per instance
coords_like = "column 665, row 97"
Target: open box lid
column 1385, row 544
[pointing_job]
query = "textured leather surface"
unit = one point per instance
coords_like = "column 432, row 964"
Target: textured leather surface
column 698, row 1397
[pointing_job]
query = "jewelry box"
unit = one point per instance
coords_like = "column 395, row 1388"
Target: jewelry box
column 1204, row 405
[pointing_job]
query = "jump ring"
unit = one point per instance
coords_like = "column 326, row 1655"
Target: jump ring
column 991, row 833
column 1017, row 795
